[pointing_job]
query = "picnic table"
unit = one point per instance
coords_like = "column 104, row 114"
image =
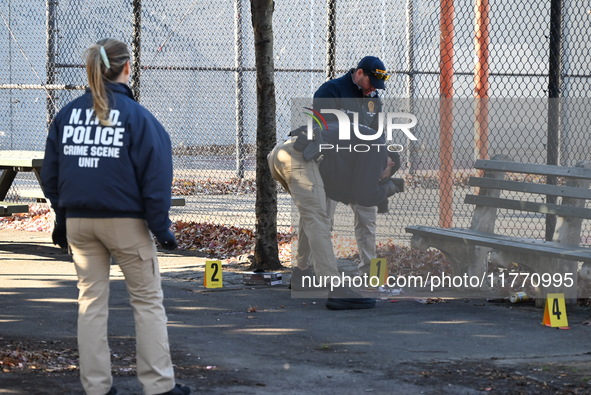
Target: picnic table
column 12, row 162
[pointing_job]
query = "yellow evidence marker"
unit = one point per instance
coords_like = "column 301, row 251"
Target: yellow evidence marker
column 213, row 274
column 378, row 267
column 555, row 312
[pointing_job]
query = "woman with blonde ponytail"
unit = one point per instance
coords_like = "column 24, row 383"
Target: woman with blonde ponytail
column 102, row 68
column 108, row 174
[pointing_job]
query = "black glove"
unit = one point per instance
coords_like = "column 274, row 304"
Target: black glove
column 59, row 235
column 383, row 207
column 391, row 188
column 167, row 240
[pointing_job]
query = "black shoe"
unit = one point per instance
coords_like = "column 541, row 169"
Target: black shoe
column 346, row 299
column 112, row 391
column 297, row 275
column 178, row 390
column 364, row 269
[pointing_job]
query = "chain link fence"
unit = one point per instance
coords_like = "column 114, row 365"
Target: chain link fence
column 477, row 76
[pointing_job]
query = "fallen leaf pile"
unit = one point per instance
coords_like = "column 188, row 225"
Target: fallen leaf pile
column 220, row 241
column 38, row 219
column 235, row 186
column 406, row 261
column 483, row 376
column 47, row 357
column 431, row 300
column 18, row 356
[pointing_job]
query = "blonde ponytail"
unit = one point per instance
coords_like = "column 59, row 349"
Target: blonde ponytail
column 102, row 68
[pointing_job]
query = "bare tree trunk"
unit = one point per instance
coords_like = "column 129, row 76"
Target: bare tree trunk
column 266, row 251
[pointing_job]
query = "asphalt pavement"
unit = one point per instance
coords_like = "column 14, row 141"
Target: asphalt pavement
column 242, row 339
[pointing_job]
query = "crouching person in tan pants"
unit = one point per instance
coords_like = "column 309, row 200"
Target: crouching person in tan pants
column 339, row 175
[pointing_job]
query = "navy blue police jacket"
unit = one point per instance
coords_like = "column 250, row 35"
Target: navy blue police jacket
column 122, row 170
column 351, row 169
column 343, row 94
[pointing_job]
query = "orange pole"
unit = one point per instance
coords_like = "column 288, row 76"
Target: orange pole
column 481, row 73
column 446, row 51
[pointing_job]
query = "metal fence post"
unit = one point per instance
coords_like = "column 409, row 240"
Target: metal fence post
column 554, row 81
column 446, row 91
column 331, row 38
column 239, row 79
column 413, row 154
column 50, row 58
column 136, row 48
column 481, row 74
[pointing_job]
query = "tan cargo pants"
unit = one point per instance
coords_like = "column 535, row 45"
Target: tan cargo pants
column 303, row 181
column 130, row 243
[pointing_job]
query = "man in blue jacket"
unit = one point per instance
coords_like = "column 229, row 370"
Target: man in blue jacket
column 355, row 93
column 341, row 174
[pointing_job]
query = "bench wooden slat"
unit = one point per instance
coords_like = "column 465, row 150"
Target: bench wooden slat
column 518, row 186
column 528, row 168
column 517, row 244
column 9, row 208
column 534, row 207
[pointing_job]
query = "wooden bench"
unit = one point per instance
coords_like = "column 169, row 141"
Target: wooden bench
column 8, row 208
column 470, row 250
column 37, row 194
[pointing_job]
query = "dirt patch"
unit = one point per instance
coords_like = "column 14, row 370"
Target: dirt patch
column 488, row 377
column 49, row 367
